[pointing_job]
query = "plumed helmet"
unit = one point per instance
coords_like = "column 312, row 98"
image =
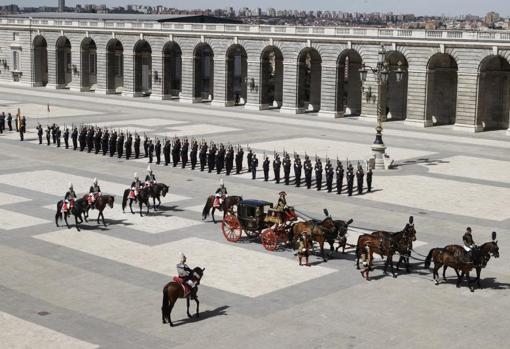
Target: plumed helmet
column 135, row 175
column 221, row 182
column 149, row 168
column 70, row 185
column 94, row 181
column 282, row 193
column 182, row 257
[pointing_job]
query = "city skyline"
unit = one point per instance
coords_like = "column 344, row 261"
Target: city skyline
column 431, row 7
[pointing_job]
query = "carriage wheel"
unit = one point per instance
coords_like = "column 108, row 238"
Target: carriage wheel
column 269, row 240
column 231, row 228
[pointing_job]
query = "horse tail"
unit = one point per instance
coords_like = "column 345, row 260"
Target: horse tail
column 429, row 258
column 207, row 208
column 58, row 215
column 124, row 199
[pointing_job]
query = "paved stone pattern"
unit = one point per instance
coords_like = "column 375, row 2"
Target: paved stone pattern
column 101, row 287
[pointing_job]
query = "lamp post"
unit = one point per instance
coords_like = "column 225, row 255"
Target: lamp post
column 381, row 72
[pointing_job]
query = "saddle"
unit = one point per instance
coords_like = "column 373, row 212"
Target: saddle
column 65, row 208
column 185, row 287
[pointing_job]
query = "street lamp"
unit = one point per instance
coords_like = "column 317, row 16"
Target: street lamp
column 381, row 73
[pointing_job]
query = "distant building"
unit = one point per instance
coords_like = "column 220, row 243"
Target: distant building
column 491, row 17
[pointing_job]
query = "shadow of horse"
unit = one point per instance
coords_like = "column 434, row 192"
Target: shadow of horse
column 204, row 315
column 493, row 284
column 174, row 208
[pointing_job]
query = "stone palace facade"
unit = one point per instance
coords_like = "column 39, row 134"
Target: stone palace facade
column 459, row 78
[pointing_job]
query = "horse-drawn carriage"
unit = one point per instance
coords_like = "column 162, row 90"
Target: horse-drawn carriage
column 257, row 218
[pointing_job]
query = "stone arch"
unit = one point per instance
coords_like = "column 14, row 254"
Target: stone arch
column 309, row 80
column 203, row 68
column 142, row 60
column 441, row 100
column 172, row 69
column 236, row 75
column 40, row 61
column 396, row 92
column 88, row 71
column 63, row 62
column 348, row 83
column 493, row 105
column 114, row 66
column 271, row 77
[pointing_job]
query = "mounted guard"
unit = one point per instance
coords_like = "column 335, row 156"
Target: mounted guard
column 220, row 195
column 94, row 193
column 185, row 275
column 150, row 178
column 69, row 199
column 136, row 185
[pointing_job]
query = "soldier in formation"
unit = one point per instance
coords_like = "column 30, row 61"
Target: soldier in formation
column 350, row 179
column 359, row 179
column 329, row 175
column 229, row 160
column 318, row 173
column 339, row 171
column 277, row 164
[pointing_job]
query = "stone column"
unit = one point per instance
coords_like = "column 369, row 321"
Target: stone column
column 328, row 90
column 52, row 67
column 289, row 104
column 220, row 82
column 467, row 97
column 187, row 78
column 253, row 96
column 129, row 74
column 101, row 71
column 416, row 98
column 157, row 66
column 75, row 84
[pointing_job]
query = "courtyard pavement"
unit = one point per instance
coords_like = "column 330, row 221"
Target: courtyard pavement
column 101, row 287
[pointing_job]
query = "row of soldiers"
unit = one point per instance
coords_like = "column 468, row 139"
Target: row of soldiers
column 210, row 156
column 303, row 171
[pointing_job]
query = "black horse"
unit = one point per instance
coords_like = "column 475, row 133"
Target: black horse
column 156, row 191
column 228, row 203
column 143, row 197
column 80, row 208
column 144, row 194
column 337, row 233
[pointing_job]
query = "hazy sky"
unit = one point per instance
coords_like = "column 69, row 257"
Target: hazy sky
column 436, row 7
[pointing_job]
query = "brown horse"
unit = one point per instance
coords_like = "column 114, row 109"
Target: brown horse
column 441, row 257
column 336, row 232
column 100, row 204
column 387, row 244
column 174, row 290
column 227, row 205
column 487, row 250
column 318, row 231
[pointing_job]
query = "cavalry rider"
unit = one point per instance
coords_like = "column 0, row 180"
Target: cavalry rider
column 150, row 178
column 94, row 192
column 469, row 243
column 135, row 187
column 69, row 199
column 220, row 195
column 184, row 272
